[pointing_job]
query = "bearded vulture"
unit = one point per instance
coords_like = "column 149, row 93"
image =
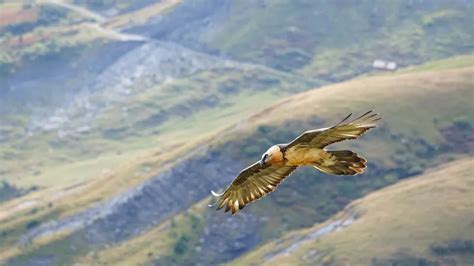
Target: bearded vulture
column 280, row 160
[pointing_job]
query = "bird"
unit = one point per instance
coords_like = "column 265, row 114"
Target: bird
column 308, row 149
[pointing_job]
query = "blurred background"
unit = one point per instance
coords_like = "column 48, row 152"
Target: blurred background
column 119, row 117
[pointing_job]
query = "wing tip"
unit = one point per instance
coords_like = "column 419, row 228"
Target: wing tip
column 344, row 120
column 368, row 118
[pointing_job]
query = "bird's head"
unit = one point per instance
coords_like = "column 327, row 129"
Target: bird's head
column 272, row 155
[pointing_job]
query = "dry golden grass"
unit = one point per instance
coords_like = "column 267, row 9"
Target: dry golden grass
column 388, row 94
column 410, row 104
column 410, row 215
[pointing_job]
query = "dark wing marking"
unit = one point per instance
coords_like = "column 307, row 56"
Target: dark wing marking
column 320, row 138
column 251, row 184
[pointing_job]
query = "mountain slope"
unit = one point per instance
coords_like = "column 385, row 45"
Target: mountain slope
column 396, row 150
column 308, row 196
column 124, row 118
column 410, row 222
column 310, row 37
column 107, row 135
column 153, row 134
column 76, row 93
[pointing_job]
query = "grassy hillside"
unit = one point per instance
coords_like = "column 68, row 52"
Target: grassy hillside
column 425, row 220
column 396, row 96
column 400, row 148
column 32, row 32
column 450, row 63
column 160, row 115
column 309, row 197
column 419, row 131
column 185, row 111
column 125, row 148
column 310, row 37
column 44, row 31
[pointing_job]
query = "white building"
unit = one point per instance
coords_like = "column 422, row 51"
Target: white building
column 384, row 65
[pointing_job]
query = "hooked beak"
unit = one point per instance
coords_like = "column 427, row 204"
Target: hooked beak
column 262, row 161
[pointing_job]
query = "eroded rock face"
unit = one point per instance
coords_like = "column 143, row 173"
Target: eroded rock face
column 44, row 84
column 318, row 233
column 150, row 203
column 135, row 71
column 226, row 237
column 72, row 92
column 163, row 196
column 190, row 23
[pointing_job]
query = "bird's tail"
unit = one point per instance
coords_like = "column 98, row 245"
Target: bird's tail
column 343, row 162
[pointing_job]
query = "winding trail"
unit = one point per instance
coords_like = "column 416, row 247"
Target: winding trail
column 99, row 19
column 117, row 35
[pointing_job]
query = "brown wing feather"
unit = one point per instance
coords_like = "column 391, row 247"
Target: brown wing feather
column 251, row 184
column 320, row 138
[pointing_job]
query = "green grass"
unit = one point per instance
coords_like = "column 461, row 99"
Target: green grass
column 74, row 172
column 49, row 32
column 311, row 39
column 239, row 108
column 90, row 167
column 60, row 246
column 12, row 229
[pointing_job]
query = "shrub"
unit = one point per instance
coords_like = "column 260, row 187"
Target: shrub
column 32, row 224
column 181, row 245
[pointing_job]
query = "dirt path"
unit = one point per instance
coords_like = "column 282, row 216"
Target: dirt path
column 117, row 35
column 98, row 18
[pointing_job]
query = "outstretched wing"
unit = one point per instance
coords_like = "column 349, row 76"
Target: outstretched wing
column 320, row 138
column 251, row 184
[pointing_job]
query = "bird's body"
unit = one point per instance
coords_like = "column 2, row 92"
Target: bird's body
column 280, row 160
column 304, row 156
